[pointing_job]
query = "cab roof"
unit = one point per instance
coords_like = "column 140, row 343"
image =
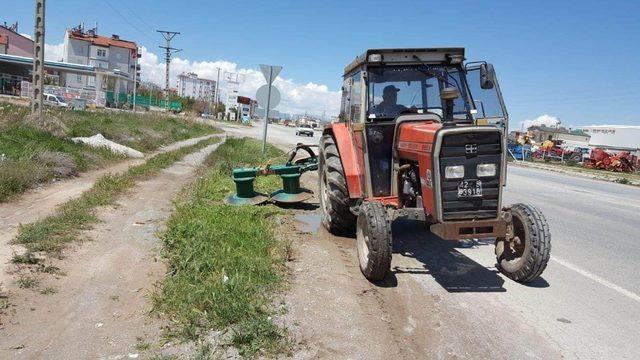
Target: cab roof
column 405, row 56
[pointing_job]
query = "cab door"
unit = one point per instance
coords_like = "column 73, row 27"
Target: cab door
column 352, row 112
column 487, row 102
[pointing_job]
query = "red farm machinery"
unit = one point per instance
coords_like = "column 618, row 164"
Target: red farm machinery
column 422, row 136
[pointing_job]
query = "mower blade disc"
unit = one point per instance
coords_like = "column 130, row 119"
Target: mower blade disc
column 285, row 198
column 257, row 199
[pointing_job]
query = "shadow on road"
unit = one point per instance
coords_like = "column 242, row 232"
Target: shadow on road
column 451, row 269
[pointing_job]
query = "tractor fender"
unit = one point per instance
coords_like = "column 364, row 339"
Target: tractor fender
column 349, row 157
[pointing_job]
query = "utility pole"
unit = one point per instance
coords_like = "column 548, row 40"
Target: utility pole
column 168, row 36
column 38, row 59
column 215, row 96
column 135, row 79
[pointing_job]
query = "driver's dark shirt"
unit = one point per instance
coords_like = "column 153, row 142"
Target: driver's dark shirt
column 388, row 109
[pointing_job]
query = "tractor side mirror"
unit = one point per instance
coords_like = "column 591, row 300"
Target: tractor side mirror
column 487, row 74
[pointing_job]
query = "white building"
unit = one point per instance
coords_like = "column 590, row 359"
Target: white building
column 88, row 48
column 192, row 86
column 614, row 137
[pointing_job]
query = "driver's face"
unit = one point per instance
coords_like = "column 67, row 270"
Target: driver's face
column 390, row 97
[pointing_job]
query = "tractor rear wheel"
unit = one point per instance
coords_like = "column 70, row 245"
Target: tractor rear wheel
column 525, row 257
column 334, row 195
column 374, row 241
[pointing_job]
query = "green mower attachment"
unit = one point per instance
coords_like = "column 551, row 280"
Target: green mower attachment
column 290, row 173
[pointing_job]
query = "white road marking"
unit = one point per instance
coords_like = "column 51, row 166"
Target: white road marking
column 630, row 294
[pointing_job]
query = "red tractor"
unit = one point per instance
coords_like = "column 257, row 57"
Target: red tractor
column 422, row 136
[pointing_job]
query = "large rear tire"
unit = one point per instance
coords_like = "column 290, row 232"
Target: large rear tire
column 525, row 258
column 374, row 241
column 334, row 194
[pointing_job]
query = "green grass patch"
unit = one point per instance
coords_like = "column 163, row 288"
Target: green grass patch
column 48, row 291
column 143, row 132
column 27, row 282
column 29, row 156
column 225, row 262
column 54, row 232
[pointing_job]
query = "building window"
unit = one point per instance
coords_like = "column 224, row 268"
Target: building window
column 79, row 78
column 102, row 52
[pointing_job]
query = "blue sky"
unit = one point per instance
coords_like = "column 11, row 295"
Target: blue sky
column 574, row 60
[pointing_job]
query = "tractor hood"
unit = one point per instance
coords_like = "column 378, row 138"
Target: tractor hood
column 416, row 134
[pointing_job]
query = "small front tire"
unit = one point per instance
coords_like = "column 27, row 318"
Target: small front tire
column 374, row 241
column 525, row 258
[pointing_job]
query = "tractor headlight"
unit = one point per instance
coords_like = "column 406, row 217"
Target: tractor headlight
column 454, row 172
column 486, row 170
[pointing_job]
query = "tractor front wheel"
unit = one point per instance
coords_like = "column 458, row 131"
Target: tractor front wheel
column 334, row 194
column 374, row 241
column 525, row 257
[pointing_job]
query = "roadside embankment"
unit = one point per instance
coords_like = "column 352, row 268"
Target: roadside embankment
column 616, row 177
column 36, row 152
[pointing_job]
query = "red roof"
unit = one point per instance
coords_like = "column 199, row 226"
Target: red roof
column 244, row 100
column 3, row 39
column 103, row 41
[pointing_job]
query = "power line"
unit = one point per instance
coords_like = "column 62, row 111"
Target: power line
column 127, row 20
column 151, row 27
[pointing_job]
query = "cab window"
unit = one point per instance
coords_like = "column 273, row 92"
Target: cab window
column 345, row 103
column 486, row 101
column 356, row 98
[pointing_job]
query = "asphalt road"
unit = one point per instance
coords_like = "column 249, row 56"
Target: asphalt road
column 587, row 303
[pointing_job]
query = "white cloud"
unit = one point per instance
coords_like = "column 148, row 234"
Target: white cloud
column 545, row 119
column 53, row 52
column 296, row 97
column 27, row 36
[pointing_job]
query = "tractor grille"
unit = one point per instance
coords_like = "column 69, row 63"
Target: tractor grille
column 458, row 149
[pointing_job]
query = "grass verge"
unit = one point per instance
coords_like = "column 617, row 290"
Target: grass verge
column 52, row 233
column 29, row 155
column 225, row 262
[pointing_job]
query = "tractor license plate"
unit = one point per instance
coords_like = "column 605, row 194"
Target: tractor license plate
column 470, row 188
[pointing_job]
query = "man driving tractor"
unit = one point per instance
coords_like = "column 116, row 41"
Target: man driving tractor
column 389, row 104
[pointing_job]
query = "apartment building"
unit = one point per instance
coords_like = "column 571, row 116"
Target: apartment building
column 89, row 48
column 192, row 86
column 13, row 43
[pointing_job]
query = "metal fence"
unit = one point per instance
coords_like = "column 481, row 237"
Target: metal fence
column 92, row 97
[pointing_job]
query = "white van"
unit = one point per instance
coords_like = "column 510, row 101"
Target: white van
column 54, row 100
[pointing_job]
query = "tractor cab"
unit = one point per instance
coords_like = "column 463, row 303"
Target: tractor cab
column 382, row 87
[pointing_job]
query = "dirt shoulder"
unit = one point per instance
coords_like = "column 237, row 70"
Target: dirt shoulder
column 100, row 306
column 334, row 312
column 43, row 201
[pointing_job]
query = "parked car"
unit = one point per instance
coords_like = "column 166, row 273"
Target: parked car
column 304, row 129
column 54, row 100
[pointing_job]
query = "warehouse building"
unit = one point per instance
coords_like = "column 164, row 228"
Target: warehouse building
column 614, row 138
